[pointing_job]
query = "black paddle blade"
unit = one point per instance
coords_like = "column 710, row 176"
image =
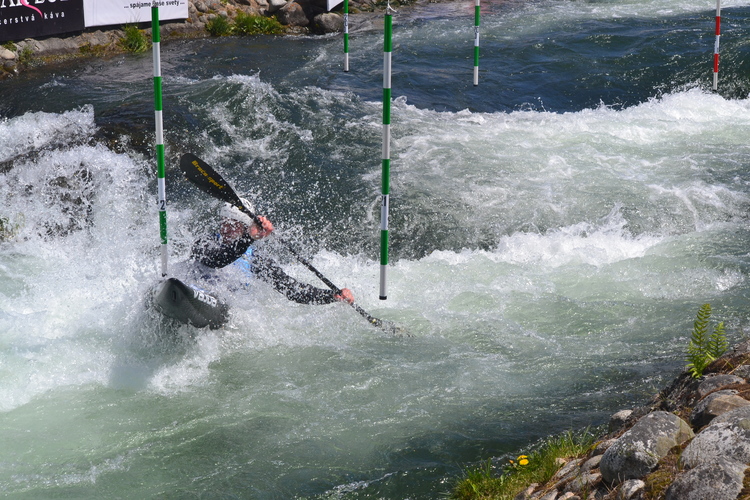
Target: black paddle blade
column 207, row 179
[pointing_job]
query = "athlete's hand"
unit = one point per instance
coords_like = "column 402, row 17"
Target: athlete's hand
column 258, row 232
column 346, row 295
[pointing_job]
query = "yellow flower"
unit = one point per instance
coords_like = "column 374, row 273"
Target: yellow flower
column 523, row 460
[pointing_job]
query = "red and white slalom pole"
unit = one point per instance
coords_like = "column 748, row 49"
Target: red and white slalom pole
column 716, row 44
column 476, row 43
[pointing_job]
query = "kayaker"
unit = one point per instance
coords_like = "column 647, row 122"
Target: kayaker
column 237, row 232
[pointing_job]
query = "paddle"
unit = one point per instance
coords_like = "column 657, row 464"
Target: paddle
column 209, row 181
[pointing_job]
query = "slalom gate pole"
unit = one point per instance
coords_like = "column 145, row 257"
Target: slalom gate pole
column 386, row 175
column 346, row 35
column 716, row 44
column 476, row 43
column 155, row 37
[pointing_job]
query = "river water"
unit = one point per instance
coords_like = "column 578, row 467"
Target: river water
column 554, row 231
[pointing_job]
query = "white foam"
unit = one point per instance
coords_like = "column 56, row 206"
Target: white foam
column 34, row 131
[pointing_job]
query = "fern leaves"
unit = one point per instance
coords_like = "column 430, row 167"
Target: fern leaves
column 704, row 347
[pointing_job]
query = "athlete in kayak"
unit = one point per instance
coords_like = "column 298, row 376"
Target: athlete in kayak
column 236, row 234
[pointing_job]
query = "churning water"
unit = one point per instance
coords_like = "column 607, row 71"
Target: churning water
column 553, row 233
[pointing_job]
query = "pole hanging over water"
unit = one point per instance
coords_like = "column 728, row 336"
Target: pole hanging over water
column 716, row 44
column 155, row 37
column 476, row 43
column 346, row 35
column 386, row 175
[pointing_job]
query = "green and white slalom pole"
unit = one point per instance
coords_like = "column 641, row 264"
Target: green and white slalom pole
column 476, row 43
column 346, row 35
column 386, row 175
column 155, row 36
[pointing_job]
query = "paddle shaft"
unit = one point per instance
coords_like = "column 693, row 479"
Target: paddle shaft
column 209, row 181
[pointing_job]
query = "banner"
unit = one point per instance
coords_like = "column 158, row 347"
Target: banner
column 119, row 12
column 21, row 19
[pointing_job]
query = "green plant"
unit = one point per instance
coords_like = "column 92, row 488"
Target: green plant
column 134, row 40
column 704, row 347
column 479, row 483
column 246, row 24
column 92, row 50
column 537, row 467
column 218, row 26
column 26, row 54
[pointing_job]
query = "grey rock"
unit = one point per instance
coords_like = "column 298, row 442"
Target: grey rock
column 275, row 5
column 603, row 446
column 292, row 14
column 715, row 404
column 638, row 451
column 50, row 46
column 527, row 493
column 715, row 382
column 591, row 463
column 586, row 481
column 328, row 23
column 720, row 480
column 743, row 371
column 728, row 436
column 742, row 348
column 568, row 470
column 6, row 54
column 618, row 420
column 632, row 489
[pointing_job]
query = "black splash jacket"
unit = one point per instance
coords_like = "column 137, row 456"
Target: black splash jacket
column 214, row 252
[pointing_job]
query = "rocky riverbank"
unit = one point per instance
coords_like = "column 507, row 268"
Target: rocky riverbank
column 296, row 17
column 690, row 442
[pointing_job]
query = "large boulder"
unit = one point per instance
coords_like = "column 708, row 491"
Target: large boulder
column 292, row 14
column 720, row 480
column 328, row 23
column 6, row 54
column 275, row 5
column 715, row 404
column 728, row 436
column 638, row 451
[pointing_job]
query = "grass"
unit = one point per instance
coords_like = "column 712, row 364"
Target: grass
column 219, row 26
column 27, row 53
column 135, row 39
column 539, row 466
column 92, row 50
column 245, row 24
column 659, row 480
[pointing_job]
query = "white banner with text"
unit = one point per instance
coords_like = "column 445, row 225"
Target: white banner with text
column 111, row 12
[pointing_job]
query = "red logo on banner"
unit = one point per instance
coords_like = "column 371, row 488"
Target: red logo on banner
column 21, row 19
column 32, row 7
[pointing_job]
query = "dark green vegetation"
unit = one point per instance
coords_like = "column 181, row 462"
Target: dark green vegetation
column 244, row 25
column 135, row 39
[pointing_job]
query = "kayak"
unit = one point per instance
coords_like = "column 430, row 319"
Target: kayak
column 190, row 305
